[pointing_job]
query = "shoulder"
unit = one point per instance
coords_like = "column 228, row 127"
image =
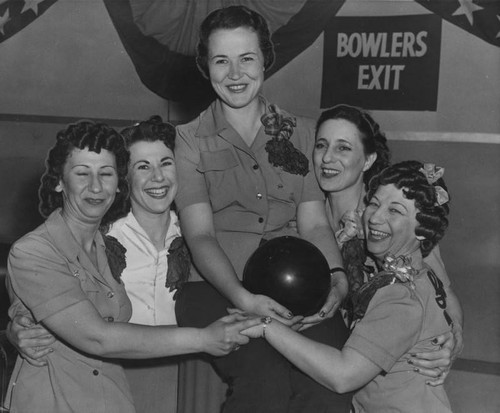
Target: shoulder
column 116, row 227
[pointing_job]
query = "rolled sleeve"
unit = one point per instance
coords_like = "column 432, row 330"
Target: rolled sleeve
column 390, row 327
column 41, row 279
column 192, row 186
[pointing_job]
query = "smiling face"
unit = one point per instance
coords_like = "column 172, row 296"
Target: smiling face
column 152, row 177
column 339, row 157
column 236, row 66
column 390, row 221
column 89, row 185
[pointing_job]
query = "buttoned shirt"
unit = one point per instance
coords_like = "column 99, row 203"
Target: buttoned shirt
column 48, row 272
column 250, row 198
column 398, row 322
column 146, row 272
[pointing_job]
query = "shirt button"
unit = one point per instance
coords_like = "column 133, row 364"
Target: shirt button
column 255, row 167
column 259, row 196
column 110, row 294
column 261, row 220
column 110, row 319
column 95, row 373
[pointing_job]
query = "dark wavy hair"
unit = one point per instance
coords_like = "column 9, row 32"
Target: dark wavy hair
column 81, row 135
column 233, row 17
column 372, row 138
column 151, row 130
column 431, row 217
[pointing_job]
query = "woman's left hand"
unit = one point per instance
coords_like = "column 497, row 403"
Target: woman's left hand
column 437, row 364
column 332, row 303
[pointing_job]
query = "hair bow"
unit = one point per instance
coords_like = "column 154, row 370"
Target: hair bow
column 433, row 173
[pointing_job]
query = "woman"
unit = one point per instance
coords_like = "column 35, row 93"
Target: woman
column 397, row 311
column 59, row 275
column 350, row 149
column 244, row 177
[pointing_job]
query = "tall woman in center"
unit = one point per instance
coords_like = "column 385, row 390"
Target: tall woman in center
column 245, row 176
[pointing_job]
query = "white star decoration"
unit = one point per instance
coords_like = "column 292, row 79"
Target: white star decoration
column 31, row 5
column 467, row 7
column 4, row 19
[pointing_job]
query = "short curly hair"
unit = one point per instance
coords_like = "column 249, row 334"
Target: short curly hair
column 151, row 130
column 372, row 138
column 233, row 17
column 84, row 134
column 431, row 217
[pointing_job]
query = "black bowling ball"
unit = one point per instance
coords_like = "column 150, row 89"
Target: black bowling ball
column 290, row 270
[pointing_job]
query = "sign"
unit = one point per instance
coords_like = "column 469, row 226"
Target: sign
column 382, row 63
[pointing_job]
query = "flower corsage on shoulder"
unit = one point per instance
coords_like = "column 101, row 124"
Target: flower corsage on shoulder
column 115, row 252
column 394, row 270
column 281, row 151
column 179, row 265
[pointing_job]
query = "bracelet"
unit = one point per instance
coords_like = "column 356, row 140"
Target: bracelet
column 265, row 321
column 336, row 269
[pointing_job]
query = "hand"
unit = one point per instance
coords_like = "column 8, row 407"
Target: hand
column 262, row 305
column 332, row 303
column 436, row 364
column 223, row 336
column 31, row 340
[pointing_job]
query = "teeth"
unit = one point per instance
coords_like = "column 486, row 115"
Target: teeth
column 333, row 172
column 378, row 234
column 157, row 191
column 94, row 201
column 236, row 88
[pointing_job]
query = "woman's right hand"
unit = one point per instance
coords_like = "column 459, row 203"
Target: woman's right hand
column 223, row 336
column 31, row 340
column 263, row 305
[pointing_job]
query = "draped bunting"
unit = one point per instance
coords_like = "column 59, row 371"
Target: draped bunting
column 160, row 35
column 160, row 38
column 15, row 15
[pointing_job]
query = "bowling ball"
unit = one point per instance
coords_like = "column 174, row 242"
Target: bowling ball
column 290, row 270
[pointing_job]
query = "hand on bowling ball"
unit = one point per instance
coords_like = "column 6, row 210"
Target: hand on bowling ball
column 262, row 305
column 338, row 292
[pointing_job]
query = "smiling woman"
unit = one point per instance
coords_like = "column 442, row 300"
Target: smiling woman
column 59, row 276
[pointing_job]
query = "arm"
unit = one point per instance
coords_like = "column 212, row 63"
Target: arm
column 39, row 279
column 340, row 371
column 82, row 326
column 313, row 226
column 437, row 364
column 198, row 230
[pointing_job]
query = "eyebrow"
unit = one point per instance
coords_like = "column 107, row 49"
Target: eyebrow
column 88, row 166
column 146, row 161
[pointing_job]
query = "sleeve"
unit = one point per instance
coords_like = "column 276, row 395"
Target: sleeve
column 390, row 327
column 40, row 278
column 192, row 185
column 435, row 262
column 310, row 190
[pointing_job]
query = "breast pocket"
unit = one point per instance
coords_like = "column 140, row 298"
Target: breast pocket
column 220, row 169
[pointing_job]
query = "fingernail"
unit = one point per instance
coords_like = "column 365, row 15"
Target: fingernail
column 289, row 315
column 409, row 361
column 416, row 369
column 321, row 314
